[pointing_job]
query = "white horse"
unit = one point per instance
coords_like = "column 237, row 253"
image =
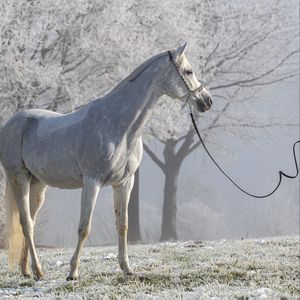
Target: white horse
column 97, row 145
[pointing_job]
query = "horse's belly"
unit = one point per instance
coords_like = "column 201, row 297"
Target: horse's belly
column 57, row 169
column 63, row 176
column 62, row 181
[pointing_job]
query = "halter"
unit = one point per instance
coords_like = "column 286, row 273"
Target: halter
column 190, row 91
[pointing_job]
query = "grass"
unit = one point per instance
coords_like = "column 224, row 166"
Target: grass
column 188, row 270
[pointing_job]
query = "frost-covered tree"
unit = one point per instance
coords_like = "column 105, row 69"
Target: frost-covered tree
column 241, row 48
column 52, row 53
column 59, row 55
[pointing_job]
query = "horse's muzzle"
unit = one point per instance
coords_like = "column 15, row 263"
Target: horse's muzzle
column 204, row 104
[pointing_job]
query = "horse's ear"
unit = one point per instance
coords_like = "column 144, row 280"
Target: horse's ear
column 180, row 50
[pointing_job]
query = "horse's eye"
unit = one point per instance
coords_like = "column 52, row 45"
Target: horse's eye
column 188, row 72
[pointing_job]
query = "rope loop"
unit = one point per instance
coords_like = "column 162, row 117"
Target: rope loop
column 281, row 173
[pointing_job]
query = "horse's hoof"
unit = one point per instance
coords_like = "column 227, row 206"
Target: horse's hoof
column 26, row 275
column 26, row 272
column 72, row 277
column 38, row 272
column 129, row 273
column 39, row 276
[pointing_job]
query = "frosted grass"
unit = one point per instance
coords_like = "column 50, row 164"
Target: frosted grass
column 252, row 269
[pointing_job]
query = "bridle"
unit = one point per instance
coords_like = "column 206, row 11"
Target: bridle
column 191, row 92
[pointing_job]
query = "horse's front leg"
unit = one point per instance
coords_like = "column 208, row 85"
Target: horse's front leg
column 121, row 199
column 89, row 195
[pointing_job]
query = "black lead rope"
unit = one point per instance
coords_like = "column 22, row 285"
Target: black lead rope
column 281, row 174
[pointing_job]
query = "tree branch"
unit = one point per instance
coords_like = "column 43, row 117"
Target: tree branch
column 76, row 65
column 155, row 158
column 237, row 52
column 184, row 149
column 245, row 81
column 260, row 126
column 271, row 81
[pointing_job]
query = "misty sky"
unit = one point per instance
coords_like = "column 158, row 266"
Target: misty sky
column 254, row 167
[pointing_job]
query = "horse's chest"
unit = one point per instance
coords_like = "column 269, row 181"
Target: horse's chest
column 124, row 163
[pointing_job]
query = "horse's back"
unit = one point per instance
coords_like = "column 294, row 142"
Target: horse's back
column 11, row 136
column 30, row 140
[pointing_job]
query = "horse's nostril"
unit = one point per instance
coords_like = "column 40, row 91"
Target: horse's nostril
column 209, row 101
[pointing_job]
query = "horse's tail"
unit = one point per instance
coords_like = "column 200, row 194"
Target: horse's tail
column 15, row 234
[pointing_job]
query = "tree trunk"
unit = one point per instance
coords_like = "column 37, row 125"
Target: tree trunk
column 173, row 160
column 168, row 228
column 134, row 233
column 171, row 170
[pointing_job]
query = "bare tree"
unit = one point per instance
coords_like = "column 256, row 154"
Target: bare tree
column 244, row 48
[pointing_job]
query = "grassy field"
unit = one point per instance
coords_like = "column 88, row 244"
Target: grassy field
column 247, row 269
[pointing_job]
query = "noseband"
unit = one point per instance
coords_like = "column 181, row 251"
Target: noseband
column 191, row 92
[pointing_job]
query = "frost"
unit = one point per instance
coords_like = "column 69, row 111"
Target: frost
column 110, row 256
column 263, row 293
column 59, row 263
column 184, row 270
column 260, row 242
column 21, row 292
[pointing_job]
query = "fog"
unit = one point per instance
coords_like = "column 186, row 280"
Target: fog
column 209, row 206
column 59, row 56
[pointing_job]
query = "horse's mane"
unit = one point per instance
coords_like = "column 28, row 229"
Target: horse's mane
column 139, row 70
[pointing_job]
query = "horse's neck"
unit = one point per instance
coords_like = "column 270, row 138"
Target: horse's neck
column 130, row 105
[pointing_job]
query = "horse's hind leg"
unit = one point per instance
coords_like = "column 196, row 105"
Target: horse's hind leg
column 36, row 200
column 89, row 195
column 20, row 183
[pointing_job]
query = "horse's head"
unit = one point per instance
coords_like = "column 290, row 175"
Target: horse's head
column 182, row 82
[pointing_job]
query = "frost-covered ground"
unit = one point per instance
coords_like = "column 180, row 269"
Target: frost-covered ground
column 252, row 269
